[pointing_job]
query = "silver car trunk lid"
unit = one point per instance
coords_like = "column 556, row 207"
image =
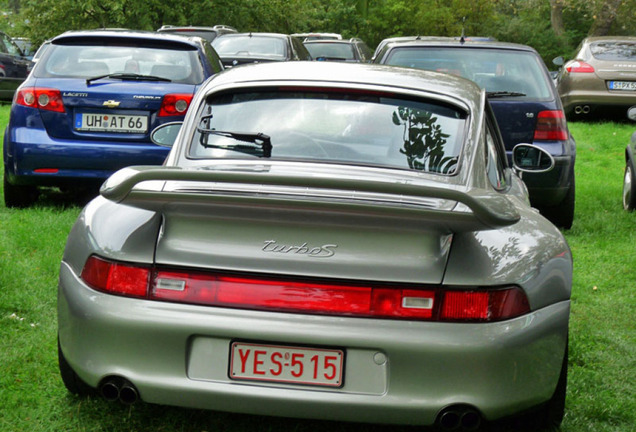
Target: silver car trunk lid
column 615, row 70
column 341, row 228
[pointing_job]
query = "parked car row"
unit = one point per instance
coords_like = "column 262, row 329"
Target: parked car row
column 324, row 227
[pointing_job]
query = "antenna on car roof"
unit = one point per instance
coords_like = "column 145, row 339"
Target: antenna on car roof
column 462, row 39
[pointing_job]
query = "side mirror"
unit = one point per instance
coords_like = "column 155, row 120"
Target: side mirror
column 631, row 113
column 166, row 134
column 530, row 158
column 558, row 61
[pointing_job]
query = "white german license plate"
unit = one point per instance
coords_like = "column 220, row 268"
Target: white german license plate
column 622, row 85
column 111, row 123
column 286, row 364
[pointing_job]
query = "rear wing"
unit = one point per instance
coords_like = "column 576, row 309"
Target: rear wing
column 481, row 210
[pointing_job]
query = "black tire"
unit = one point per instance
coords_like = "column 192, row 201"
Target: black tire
column 19, row 196
column 72, row 382
column 629, row 185
column 552, row 413
column 562, row 214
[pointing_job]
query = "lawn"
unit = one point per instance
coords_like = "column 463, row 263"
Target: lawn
column 601, row 391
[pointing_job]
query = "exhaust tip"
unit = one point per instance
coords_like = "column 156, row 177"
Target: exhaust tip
column 459, row 418
column 110, row 390
column 117, row 388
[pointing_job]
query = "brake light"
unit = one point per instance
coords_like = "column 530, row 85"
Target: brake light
column 175, row 104
column 579, row 67
column 46, row 99
column 363, row 300
column 551, row 126
column 116, row 278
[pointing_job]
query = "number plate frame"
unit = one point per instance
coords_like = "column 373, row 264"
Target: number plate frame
column 110, row 122
column 622, row 85
column 287, row 364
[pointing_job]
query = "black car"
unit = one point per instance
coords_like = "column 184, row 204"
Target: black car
column 207, row 33
column 14, row 67
column 523, row 97
column 350, row 50
column 241, row 48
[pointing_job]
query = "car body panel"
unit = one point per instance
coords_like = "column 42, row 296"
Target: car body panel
column 277, row 218
column 583, row 93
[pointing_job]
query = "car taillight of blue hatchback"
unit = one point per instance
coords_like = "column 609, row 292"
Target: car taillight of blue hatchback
column 89, row 105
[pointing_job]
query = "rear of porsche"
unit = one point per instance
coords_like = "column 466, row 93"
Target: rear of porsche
column 88, row 107
column 313, row 290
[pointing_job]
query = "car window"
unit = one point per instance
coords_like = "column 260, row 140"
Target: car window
column 330, row 125
column 85, row 61
column 492, row 69
column 250, row 46
column 208, row 35
column 331, row 50
column 495, row 162
column 614, row 50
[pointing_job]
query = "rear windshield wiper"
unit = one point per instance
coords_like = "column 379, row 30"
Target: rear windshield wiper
column 498, row 94
column 128, row 77
column 262, row 143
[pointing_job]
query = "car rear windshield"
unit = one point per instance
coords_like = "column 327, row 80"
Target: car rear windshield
column 331, row 125
column 492, row 69
column 250, row 46
column 89, row 61
column 614, row 50
column 331, row 50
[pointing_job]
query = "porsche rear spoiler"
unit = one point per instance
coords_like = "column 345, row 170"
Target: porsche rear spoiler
column 483, row 209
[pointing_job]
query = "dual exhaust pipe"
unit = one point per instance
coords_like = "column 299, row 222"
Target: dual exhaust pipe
column 117, row 388
column 459, row 418
column 582, row 109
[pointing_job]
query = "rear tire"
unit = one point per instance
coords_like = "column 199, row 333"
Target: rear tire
column 629, row 193
column 552, row 413
column 19, row 196
column 562, row 214
column 72, row 382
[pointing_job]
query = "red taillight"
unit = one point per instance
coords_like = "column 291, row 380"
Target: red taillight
column 47, row 99
column 175, row 104
column 305, row 297
column 579, row 67
column 551, row 126
column 116, row 278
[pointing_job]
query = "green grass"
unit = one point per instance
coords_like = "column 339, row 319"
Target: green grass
column 602, row 336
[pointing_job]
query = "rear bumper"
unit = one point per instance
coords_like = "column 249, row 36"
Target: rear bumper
column 395, row 371
column 66, row 161
column 596, row 98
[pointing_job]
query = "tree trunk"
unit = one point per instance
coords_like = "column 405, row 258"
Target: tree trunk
column 556, row 17
column 605, row 17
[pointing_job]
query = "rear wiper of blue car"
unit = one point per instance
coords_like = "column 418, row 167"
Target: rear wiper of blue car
column 128, row 77
column 498, row 94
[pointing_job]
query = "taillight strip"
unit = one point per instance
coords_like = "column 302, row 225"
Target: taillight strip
column 321, row 298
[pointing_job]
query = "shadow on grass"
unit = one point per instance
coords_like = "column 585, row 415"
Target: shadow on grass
column 150, row 417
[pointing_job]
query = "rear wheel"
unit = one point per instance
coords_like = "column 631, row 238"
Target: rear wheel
column 562, row 214
column 552, row 413
column 72, row 382
column 629, row 183
column 19, row 196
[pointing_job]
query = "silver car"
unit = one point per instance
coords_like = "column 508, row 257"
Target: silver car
column 325, row 240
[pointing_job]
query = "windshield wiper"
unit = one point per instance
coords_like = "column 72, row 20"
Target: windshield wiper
column 498, row 94
column 128, row 77
column 261, row 141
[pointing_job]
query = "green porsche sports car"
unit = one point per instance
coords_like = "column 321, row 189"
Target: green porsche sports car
column 325, row 240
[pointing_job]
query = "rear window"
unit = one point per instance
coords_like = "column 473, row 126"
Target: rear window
column 614, row 50
column 208, row 35
column 333, row 126
column 492, row 69
column 331, row 50
column 88, row 61
column 250, row 46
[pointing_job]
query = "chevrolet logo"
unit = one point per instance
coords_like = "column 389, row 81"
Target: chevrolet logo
column 111, row 104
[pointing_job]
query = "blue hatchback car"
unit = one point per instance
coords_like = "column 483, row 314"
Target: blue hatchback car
column 523, row 98
column 90, row 103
